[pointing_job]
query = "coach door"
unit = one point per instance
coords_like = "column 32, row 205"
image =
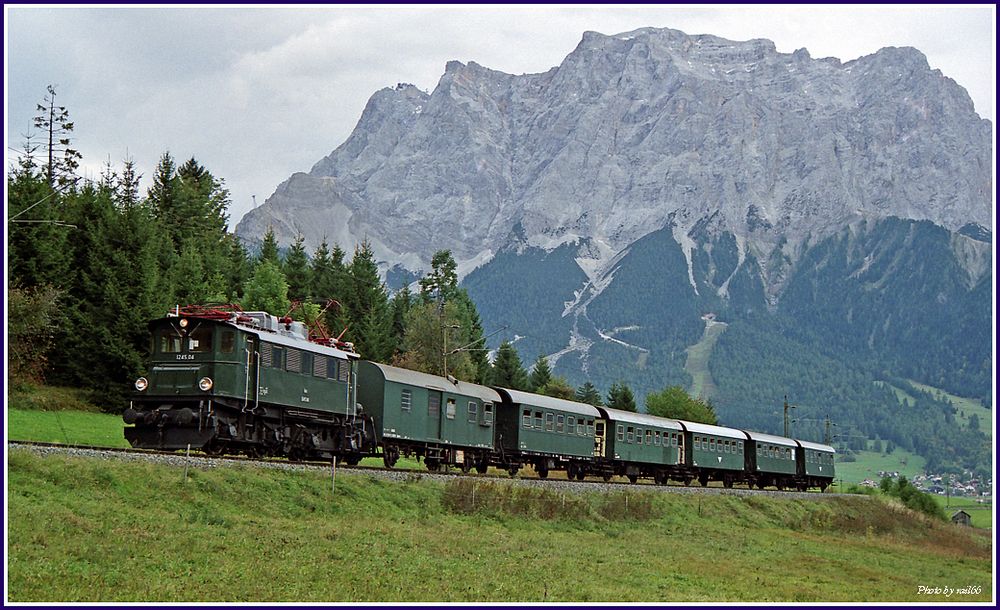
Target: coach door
column 433, row 414
column 599, row 438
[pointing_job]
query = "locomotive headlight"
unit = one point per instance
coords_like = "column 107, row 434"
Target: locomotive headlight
column 205, row 383
column 141, row 384
column 183, row 322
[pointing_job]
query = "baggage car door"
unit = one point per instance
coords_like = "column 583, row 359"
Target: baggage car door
column 433, row 414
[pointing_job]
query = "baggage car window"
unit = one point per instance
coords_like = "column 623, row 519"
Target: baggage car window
column 621, row 432
column 227, row 342
column 434, row 405
column 473, row 412
column 405, row 400
column 548, row 422
column 487, row 413
column 449, row 409
column 571, row 425
column 526, row 419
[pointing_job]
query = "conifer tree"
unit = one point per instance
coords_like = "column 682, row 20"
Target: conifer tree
column 558, row 387
column 269, row 249
column 507, row 369
column 54, row 122
column 588, row 393
column 297, row 271
column 620, row 397
column 540, row 374
column 365, row 310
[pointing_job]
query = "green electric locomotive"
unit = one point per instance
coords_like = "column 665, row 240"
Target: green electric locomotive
column 227, row 381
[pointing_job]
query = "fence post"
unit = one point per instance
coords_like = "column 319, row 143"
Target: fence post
column 333, row 475
column 187, row 463
column 473, row 496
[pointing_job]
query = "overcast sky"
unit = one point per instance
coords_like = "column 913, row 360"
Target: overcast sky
column 256, row 93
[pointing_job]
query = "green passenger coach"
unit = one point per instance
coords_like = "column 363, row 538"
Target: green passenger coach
column 716, row 452
column 549, row 433
column 641, row 445
column 771, row 460
column 815, row 465
column 445, row 422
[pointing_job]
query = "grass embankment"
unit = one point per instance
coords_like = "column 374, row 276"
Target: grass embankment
column 90, row 530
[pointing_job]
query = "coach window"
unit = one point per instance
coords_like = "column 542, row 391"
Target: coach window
column 590, row 427
column 629, row 434
column 621, row 432
column 473, row 411
column 673, row 440
column 227, row 342
column 526, row 419
column 649, row 437
column 487, row 413
column 697, row 442
column 741, row 446
column 559, row 423
column 638, row 436
column 656, row 439
column 570, row 425
column 538, row 420
column 548, row 422
column 405, row 400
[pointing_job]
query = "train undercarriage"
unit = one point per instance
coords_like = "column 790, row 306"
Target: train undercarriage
column 219, row 426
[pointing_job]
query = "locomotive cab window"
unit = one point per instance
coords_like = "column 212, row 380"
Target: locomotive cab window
column 200, row 339
column 227, row 342
column 170, row 341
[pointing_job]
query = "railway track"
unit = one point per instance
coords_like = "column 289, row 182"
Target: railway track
column 198, row 458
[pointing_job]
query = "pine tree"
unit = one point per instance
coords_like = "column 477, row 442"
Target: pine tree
column 540, row 374
column 366, row 307
column 673, row 402
column 442, row 281
column 269, row 249
column 297, row 271
column 588, row 393
column 431, row 331
column 620, row 397
column 54, row 121
column 507, row 369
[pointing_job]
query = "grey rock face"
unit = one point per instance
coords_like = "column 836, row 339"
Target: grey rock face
column 635, row 131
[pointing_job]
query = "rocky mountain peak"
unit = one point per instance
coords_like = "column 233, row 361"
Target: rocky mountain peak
column 635, row 131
